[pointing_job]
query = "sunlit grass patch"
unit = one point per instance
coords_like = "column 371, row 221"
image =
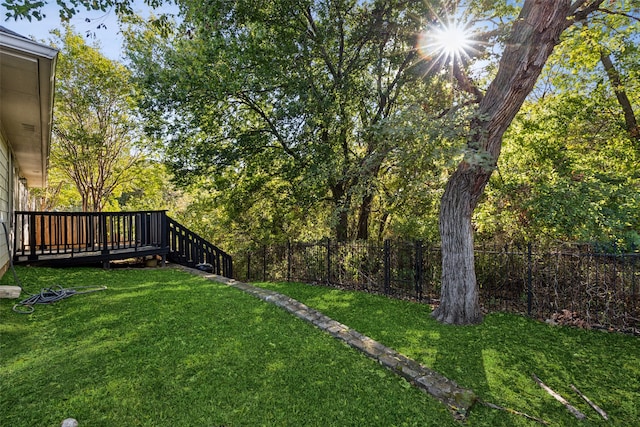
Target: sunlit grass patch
column 496, row 359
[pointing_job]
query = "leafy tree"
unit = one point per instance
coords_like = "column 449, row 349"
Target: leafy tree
column 151, row 188
column 94, row 132
column 59, row 194
column 531, row 40
column 305, row 97
column 568, row 166
column 567, row 172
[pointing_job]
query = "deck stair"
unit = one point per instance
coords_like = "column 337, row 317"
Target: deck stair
column 189, row 249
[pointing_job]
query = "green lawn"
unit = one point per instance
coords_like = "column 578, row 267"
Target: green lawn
column 496, row 359
column 163, row 348
column 160, row 347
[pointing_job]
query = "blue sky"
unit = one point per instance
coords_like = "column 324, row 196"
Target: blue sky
column 108, row 39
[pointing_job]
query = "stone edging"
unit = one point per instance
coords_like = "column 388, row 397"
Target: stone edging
column 457, row 399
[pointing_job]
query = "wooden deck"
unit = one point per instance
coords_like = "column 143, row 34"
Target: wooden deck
column 66, row 238
column 86, row 257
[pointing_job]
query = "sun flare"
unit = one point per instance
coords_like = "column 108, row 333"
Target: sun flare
column 447, row 42
column 453, row 40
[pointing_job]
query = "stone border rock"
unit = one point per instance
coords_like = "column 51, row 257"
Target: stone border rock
column 456, row 398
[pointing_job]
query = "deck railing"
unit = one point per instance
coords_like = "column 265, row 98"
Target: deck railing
column 41, row 235
column 66, row 237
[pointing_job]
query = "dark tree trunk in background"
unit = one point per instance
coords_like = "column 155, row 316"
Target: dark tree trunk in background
column 629, row 117
column 533, row 36
column 364, row 216
column 341, row 209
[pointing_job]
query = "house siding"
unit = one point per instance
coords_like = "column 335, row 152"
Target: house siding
column 6, row 201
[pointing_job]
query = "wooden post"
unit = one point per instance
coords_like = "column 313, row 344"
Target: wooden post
column 33, row 256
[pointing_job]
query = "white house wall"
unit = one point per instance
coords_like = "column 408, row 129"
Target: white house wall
column 6, row 198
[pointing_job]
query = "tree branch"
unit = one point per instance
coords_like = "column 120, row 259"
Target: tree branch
column 581, row 9
column 613, row 12
column 579, row 415
column 313, row 33
column 621, row 95
column 466, row 84
column 595, row 407
column 249, row 102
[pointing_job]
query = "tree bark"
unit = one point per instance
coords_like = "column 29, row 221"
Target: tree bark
column 614, row 77
column 459, row 302
column 533, row 36
column 341, row 202
column 363, row 217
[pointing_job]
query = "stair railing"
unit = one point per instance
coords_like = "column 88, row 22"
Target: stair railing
column 188, row 248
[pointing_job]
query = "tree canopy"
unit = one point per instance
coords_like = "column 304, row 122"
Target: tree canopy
column 99, row 155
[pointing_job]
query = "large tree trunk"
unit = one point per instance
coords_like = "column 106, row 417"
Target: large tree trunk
column 459, row 302
column 533, row 36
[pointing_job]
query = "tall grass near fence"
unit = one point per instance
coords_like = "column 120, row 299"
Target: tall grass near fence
column 574, row 285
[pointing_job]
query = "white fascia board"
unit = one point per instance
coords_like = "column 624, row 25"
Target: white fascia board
column 26, row 45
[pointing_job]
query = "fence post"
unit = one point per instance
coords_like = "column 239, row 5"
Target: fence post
column 248, row 266
column 105, row 239
column 104, row 232
column 288, row 260
column 387, row 266
column 328, row 260
column 164, row 236
column 418, row 269
column 264, row 263
column 529, row 279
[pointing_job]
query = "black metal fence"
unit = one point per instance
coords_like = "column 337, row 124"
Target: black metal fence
column 566, row 284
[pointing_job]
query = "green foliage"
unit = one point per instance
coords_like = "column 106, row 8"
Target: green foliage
column 568, row 168
column 151, row 188
column 567, row 172
column 311, row 101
